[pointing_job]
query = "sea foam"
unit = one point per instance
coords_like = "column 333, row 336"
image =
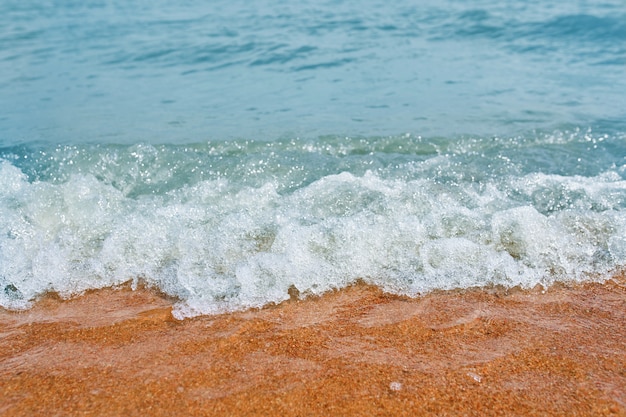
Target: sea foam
column 222, row 244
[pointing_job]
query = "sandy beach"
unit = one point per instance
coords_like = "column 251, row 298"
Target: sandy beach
column 357, row 351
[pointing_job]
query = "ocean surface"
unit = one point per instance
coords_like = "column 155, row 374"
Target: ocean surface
column 232, row 153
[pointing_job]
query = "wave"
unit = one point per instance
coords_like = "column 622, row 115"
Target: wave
column 237, row 224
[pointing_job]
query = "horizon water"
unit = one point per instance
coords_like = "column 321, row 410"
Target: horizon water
column 227, row 152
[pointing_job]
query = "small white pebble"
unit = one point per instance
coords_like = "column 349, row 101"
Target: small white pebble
column 474, row 376
column 395, row 386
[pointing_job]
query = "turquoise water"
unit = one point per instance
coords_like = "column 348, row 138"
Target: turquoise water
column 227, row 151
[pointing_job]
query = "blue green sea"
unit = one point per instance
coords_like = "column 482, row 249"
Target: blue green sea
column 224, row 152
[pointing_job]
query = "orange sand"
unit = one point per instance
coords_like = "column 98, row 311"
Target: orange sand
column 356, row 351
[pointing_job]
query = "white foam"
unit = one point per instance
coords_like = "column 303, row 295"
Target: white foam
column 220, row 246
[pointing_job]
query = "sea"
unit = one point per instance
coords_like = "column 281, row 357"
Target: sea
column 233, row 154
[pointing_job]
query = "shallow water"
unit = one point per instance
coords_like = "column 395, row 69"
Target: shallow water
column 227, row 152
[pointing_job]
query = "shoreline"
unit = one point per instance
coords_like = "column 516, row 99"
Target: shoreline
column 355, row 351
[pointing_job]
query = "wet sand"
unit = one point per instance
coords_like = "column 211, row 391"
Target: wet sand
column 356, row 351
